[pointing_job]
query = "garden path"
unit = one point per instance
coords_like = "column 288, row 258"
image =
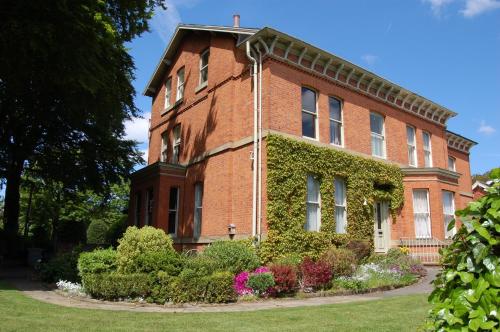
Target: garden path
column 21, row 280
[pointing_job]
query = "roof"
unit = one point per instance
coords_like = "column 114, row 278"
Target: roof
column 459, row 142
column 315, row 60
column 171, row 48
column 480, row 185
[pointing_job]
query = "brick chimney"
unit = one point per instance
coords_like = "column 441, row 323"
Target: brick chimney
column 236, row 20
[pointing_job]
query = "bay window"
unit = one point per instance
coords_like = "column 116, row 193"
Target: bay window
column 421, row 213
column 448, row 212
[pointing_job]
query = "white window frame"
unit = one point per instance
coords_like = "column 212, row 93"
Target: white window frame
column 317, row 204
column 180, row 84
column 379, row 136
column 453, row 165
column 164, row 147
column 427, row 149
column 198, row 209
column 203, row 67
column 428, row 219
column 316, row 129
column 448, row 234
column 176, row 144
column 341, row 122
column 176, row 210
column 341, row 205
column 168, row 92
column 412, row 146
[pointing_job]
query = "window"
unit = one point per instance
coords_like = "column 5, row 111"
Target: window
column 198, row 204
column 378, row 135
column 204, row 67
column 149, row 207
column 180, row 84
column 421, row 213
column 427, row 149
column 138, row 207
column 309, row 113
column 173, row 210
column 168, row 91
column 451, row 164
column 313, row 213
column 164, row 146
column 448, row 212
column 176, row 144
column 335, row 121
column 340, row 206
column 412, row 146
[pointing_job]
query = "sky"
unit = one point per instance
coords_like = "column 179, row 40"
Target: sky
column 445, row 50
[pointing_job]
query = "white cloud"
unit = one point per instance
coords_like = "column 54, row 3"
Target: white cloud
column 138, row 129
column 437, row 6
column 486, row 129
column 165, row 21
column 369, row 58
column 477, row 7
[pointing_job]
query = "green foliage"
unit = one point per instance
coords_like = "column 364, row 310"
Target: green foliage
column 97, row 261
column 137, row 241
column 189, row 286
column 201, row 264
column 166, row 261
column 395, row 257
column 260, row 283
column 361, row 248
column 160, row 287
column 466, row 293
column 116, row 230
column 234, row 256
column 115, row 285
column 61, row 267
column 342, row 261
column 351, row 284
column 289, row 162
column 96, row 232
column 292, row 259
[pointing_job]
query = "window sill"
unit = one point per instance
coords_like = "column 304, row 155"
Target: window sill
column 171, row 107
column 201, row 87
column 311, row 138
column 337, row 145
column 379, row 157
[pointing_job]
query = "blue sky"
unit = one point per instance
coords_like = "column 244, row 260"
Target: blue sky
column 445, row 50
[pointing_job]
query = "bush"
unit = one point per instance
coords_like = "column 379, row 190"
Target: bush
column 395, row 257
column 137, row 241
column 191, row 287
column 361, row 248
column 152, row 262
column 116, row 231
column 292, row 259
column 97, row 261
column 96, row 232
column 61, row 267
column 466, row 294
column 160, row 287
column 341, row 260
column 285, row 278
column 315, row 275
column 350, row 284
column 261, row 283
column 202, row 265
column 115, row 285
column 233, row 256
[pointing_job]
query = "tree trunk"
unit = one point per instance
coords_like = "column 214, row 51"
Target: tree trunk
column 11, row 207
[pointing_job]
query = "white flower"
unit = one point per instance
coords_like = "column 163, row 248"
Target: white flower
column 70, row 287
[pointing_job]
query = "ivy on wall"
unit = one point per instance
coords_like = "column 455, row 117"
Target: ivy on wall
column 288, row 164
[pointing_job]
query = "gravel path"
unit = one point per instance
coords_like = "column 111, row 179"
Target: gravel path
column 37, row 291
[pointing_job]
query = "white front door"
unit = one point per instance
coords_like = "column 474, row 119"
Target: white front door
column 381, row 227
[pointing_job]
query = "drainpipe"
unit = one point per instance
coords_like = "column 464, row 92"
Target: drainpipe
column 259, row 209
column 254, row 157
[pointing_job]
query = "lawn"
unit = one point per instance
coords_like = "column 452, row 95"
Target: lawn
column 405, row 313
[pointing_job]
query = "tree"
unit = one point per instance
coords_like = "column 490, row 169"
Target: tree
column 484, row 177
column 65, row 91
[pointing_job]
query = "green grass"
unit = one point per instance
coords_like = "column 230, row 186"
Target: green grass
column 404, row 313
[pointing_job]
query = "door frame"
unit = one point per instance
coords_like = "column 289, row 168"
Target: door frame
column 386, row 228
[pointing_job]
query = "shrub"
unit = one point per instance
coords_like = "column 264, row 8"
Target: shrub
column 261, row 283
column 115, row 285
column 466, row 294
column 355, row 285
column 97, row 261
column 361, row 248
column 116, row 231
column 96, row 232
column 395, row 257
column 220, row 288
column 285, row 278
column 152, row 262
column 234, row 256
column 160, row 287
column 315, row 274
column 137, row 241
column 341, row 260
column 61, row 267
column 202, row 265
column 292, row 259
column 240, row 283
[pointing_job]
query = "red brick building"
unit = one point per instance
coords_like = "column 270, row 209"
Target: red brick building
column 218, row 92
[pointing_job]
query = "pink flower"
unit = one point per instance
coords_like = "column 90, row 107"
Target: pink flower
column 262, row 269
column 240, row 284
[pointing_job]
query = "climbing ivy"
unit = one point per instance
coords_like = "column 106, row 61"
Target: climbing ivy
column 288, row 164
